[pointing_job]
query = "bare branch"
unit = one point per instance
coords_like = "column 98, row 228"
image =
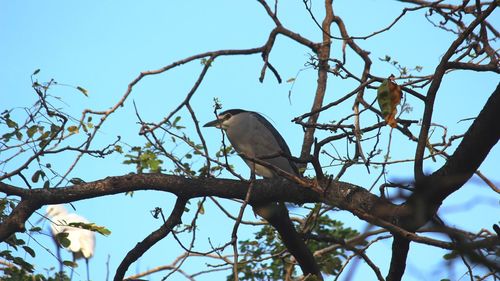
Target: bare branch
column 134, row 254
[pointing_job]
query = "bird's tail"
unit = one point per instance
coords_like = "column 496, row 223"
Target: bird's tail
column 277, row 216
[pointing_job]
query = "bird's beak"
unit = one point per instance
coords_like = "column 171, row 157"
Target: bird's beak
column 216, row 123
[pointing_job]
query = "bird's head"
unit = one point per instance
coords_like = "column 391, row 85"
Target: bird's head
column 55, row 210
column 224, row 119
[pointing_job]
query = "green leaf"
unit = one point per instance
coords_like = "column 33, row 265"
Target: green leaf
column 13, row 241
column 73, row 129
column 19, row 135
column 176, row 120
column 6, row 137
column 84, row 91
column 154, row 165
column 21, row 262
column 104, row 231
column 11, row 124
column 36, row 71
column 54, row 129
column 36, row 229
column 29, row 251
column 450, row 256
column 92, row 227
column 290, row 80
column 44, row 135
column 36, row 175
column 31, row 131
column 70, row 264
column 118, row 149
column 386, row 58
column 5, row 253
column 388, row 97
column 62, row 238
column 43, row 143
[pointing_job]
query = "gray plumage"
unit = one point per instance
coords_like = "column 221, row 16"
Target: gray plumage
column 252, row 135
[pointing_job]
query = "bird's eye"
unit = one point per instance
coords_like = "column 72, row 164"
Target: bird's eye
column 227, row 116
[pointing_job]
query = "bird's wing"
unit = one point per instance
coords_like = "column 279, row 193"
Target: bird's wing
column 74, row 235
column 279, row 139
column 87, row 242
column 84, row 239
column 81, row 240
column 58, row 224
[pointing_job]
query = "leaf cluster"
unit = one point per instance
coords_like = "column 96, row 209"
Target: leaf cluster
column 18, row 274
column 255, row 264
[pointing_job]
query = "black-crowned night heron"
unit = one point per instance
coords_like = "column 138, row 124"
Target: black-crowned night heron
column 254, row 137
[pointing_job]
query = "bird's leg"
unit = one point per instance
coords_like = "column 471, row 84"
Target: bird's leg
column 252, row 172
column 73, row 268
column 252, row 179
column 87, row 264
column 58, row 253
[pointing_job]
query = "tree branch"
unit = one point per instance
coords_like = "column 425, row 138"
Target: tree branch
column 342, row 194
column 141, row 247
column 434, row 87
column 477, row 142
column 400, row 248
column 323, row 57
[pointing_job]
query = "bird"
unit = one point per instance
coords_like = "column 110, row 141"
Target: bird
column 82, row 241
column 255, row 137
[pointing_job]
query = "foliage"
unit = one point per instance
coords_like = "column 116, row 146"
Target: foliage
column 388, row 96
column 145, row 158
column 43, row 129
column 16, row 244
column 255, row 266
column 92, row 227
column 16, row 274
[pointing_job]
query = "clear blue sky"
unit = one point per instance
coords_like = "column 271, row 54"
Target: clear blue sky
column 103, row 45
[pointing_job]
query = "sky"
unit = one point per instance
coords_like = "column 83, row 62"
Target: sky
column 103, row 45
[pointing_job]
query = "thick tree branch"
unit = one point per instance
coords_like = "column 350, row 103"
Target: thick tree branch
column 477, row 142
column 482, row 135
column 434, row 87
column 15, row 222
column 473, row 66
column 323, row 66
column 344, row 195
column 431, row 191
column 280, row 220
column 400, row 248
column 141, row 247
